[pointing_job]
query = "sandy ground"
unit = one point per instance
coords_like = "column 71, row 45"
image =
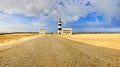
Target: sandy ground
column 12, row 43
column 102, row 40
column 53, row 51
column 9, row 38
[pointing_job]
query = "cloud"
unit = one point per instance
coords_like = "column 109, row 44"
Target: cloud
column 3, row 16
column 110, row 8
column 62, row 8
column 48, row 11
column 69, row 10
column 103, row 30
column 13, row 28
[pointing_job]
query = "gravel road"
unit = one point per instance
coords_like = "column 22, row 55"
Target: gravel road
column 53, row 51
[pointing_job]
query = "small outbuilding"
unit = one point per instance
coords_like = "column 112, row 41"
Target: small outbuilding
column 66, row 30
column 42, row 31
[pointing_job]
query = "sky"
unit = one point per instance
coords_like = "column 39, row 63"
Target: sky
column 80, row 15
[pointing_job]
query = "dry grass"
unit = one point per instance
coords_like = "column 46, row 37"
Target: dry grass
column 102, row 40
column 13, row 37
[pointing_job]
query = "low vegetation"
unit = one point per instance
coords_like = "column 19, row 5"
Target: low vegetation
column 102, row 40
column 11, row 37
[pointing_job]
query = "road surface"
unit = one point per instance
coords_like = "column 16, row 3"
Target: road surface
column 53, row 51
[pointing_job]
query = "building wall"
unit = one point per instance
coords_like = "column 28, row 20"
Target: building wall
column 63, row 30
column 66, row 30
column 59, row 26
column 42, row 31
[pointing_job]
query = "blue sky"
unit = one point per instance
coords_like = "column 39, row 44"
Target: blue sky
column 80, row 15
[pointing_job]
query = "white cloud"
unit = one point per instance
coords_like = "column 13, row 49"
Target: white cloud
column 69, row 10
column 110, row 8
column 13, row 28
column 102, row 30
column 3, row 16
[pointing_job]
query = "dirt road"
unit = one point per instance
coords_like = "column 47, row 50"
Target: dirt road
column 53, row 51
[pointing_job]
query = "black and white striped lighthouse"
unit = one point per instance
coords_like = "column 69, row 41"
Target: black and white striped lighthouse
column 59, row 26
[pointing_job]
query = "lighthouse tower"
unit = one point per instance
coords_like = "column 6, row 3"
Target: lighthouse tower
column 59, row 26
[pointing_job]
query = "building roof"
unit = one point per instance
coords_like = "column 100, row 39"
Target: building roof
column 66, row 28
column 42, row 29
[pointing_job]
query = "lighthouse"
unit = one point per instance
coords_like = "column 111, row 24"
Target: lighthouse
column 59, row 26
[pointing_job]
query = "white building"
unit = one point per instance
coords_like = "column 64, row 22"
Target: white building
column 42, row 31
column 63, row 30
column 66, row 30
column 59, row 26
